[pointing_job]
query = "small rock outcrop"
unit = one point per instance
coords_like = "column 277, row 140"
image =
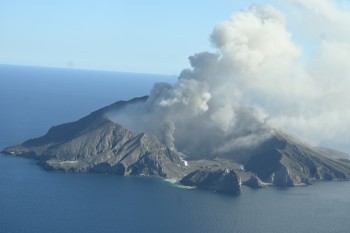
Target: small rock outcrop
column 254, row 182
column 223, row 180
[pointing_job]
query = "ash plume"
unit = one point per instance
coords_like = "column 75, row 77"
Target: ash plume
column 257, row 79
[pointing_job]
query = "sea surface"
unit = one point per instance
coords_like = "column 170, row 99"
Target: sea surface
column 33, row 200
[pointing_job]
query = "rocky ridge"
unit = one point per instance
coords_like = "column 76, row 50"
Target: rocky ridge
column 221, row 180
column 97, row 144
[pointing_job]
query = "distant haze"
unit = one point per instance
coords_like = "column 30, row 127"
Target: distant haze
column 258, row 78
column 131, row 36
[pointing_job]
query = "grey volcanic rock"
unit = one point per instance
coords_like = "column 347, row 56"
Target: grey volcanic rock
column 95, row 143
column 223, row 180
column 254, row 182
column 286, row 161
column 332, row 154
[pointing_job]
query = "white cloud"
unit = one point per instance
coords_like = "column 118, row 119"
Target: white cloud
column 259, row 75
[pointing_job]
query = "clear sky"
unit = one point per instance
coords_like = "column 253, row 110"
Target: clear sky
column 154, row 36
column 306, row 86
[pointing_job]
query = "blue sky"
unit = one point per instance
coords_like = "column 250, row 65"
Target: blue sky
column 158, row 36
column 138, row 36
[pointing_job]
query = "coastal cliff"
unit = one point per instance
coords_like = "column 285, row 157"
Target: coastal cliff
column 97, row 144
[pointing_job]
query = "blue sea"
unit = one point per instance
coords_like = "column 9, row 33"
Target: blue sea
column 33, row 200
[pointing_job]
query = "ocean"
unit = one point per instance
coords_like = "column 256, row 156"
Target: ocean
column 33, row 200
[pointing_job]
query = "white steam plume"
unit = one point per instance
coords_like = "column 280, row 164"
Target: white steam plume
column 258, row 78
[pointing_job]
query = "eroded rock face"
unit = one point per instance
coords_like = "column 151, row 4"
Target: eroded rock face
column 224, row 180
column 97, row 144
column 254, row 182
column 285, row 161
column 282, row 177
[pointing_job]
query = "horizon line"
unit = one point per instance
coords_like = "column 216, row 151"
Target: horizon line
column 87, row 69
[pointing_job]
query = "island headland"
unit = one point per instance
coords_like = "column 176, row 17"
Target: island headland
column 95, row 143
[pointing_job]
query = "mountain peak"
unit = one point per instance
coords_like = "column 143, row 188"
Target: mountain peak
column 97, row 144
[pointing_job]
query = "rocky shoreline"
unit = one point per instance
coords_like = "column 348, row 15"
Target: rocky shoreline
column 97, row 144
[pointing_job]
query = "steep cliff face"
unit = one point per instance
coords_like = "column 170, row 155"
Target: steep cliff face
column 222, row 180
column 286, row 161
column 95, row 143
column 254, row 182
